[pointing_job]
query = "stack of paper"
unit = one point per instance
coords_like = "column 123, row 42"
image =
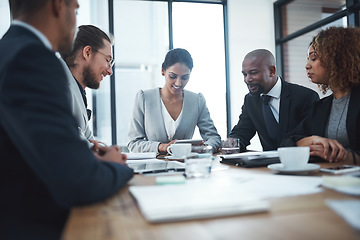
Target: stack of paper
column 156, row 166
column 145, row 155
column 348, row 209
column 252, row 155
column 344, row 184
column 192, row 201
column 224, row 193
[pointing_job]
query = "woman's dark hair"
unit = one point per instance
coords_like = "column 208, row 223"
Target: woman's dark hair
column 177, row 55
column 338, row 49
column 87, row 35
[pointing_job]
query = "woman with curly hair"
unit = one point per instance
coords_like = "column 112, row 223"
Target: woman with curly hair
column 332, row 128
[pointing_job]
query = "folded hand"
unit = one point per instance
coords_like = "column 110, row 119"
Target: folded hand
column 111, row 154
column 328, row 149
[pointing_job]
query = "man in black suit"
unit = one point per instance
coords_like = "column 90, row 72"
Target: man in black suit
column 45, row 167
column 273, row 107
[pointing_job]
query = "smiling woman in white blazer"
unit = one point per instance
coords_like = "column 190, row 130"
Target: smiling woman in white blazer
column 163, row 115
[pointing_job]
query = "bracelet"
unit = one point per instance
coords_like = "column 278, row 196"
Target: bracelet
column 354, row 157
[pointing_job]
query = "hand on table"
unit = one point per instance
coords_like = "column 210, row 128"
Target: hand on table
column 111, row 154
column 163, row 146
column 96, row 145
column 328, row 149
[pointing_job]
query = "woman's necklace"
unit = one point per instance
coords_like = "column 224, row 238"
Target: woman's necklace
column 171, row 102
column 168, row 99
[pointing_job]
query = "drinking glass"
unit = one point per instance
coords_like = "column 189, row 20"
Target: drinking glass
column 230, row 146
column 198, row 163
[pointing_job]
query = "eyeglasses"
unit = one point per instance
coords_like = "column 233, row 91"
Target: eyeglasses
column 108, row 58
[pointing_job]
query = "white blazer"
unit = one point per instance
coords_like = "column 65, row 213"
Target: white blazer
column 147, row 128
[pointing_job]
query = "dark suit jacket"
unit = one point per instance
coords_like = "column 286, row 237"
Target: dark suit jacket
column 295, row 102
column 318, row 117
column 45, row 167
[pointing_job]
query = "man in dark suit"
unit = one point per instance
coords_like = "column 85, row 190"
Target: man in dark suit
column 273, row 107
column 45, row 167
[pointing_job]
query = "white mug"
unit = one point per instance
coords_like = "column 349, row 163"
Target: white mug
column 179, row 150
column 294, row 157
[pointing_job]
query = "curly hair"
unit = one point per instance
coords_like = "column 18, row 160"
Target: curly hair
column 338, row 49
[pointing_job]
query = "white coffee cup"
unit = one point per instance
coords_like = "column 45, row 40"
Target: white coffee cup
column 294, row 157
column 179, row 150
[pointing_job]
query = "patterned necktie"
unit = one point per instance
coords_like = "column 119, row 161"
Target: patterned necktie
column 271, row 124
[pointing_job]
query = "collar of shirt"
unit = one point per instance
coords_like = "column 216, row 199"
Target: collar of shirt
column 275, row 92
column 80, row 87
column 274, row 102
column 39, row 34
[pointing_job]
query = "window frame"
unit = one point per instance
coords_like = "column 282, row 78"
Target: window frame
column 226, row 49
column 351, row 12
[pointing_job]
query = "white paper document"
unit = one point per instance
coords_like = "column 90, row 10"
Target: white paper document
column 347, row 209
column 224, row 193
column 344, row 184
column 192, row 201
column 153, row 166
column 145, row 155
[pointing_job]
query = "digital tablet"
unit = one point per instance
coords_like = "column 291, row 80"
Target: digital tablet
column 192, row 141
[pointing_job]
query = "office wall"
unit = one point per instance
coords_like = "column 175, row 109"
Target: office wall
column 251, row 26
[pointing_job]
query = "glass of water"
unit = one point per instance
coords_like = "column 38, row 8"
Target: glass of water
column 198, row 163
column 230, row 146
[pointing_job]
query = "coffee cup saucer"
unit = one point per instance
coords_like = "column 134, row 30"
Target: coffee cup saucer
column 278, row 167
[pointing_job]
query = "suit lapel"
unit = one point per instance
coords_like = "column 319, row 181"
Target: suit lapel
column 284, row 109
column 187, row 116
column 322, row 116
column 352, row 116
column 158, row 116
column 255, row 111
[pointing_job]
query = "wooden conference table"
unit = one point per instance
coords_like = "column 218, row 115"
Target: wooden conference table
column 299, row 217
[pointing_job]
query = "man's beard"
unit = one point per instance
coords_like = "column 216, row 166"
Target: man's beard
column 259, row 91
column 90, row 79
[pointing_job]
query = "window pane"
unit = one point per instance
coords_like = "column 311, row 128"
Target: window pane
column 141, row 42
column 4, row 17
column 199, row 29
column 301, row 13
column 295, row 53
column 95, row 12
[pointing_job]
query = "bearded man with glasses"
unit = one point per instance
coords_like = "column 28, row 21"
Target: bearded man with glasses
column 86, row 66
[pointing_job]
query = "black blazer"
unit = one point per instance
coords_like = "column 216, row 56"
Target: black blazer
column 45, row 168
column 295, row 102
column 318, row 117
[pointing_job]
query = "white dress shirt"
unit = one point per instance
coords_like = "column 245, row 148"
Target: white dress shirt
column 274, row 102
column 170, row 124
